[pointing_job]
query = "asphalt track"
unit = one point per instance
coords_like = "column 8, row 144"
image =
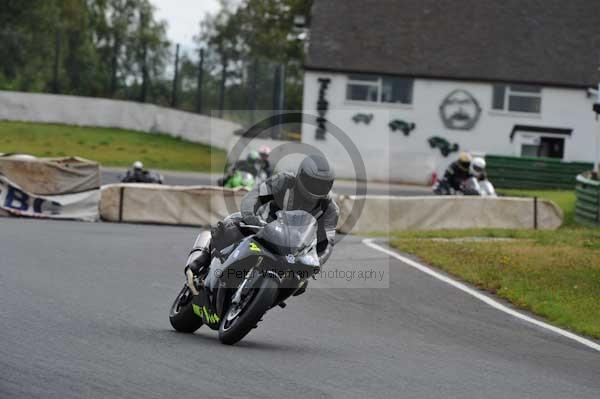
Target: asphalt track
column 113, row 175
column 83, row 314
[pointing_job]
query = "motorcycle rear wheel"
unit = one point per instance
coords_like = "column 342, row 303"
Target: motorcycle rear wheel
column 181, row 315
column 234, row 327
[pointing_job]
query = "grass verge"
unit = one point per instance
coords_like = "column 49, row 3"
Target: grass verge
column 110, row 147
column 555, row 274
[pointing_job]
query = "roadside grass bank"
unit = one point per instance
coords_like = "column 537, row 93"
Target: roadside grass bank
column 109, row 147
column 554, row 274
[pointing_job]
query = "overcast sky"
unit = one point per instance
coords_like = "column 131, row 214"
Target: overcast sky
column 184, row 17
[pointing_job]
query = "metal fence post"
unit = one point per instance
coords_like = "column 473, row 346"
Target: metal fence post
column 535, row 213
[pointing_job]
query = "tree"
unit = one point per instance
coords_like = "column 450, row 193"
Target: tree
column 250, row 41
column 223, row 34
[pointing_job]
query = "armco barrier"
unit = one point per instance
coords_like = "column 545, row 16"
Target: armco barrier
column 587, row 206
column 384, row 213
column 533, row 173
column 154, row 203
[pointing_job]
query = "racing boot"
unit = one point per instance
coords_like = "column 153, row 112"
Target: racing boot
column 199, row 258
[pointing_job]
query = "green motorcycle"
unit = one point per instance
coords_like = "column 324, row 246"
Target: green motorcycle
column 240, row 179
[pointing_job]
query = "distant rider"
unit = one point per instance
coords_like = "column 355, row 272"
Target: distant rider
column 308, row 190
column 457, row 173
column 249, row 165
column 137, row 174
column 265, row 165
column 477, row 169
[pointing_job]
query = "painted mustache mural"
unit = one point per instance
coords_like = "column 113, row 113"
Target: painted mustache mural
column 460, row 110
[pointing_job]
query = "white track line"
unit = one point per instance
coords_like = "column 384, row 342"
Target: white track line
column 483, row 298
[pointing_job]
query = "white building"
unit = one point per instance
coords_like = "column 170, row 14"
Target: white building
column 414, row 82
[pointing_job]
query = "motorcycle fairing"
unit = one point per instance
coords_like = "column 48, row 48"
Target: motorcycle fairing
column 224, row 277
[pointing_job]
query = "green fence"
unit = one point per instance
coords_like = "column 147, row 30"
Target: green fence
column 533, row 173
column 587, row 206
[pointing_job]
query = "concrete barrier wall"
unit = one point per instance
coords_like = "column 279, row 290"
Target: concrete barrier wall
column 203, row 206
column 154, row 203
column 384, row 214
column 86, row 111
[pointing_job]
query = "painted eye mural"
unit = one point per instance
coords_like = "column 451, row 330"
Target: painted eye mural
column 404, row 127
column 460, row 110
column 443, row 145
column 362, row 118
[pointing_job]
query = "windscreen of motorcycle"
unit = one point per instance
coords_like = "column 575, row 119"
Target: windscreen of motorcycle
column 293, row 232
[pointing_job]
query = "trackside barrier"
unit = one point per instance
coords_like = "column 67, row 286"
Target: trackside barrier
column 51, row 176
column 54, row 188
column 587, row 205
column 385, row 213
column 205, row 205
column 155, row 203
column 532, row 173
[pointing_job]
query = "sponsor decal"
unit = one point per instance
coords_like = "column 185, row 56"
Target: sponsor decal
column 204, row 313
column 18, row 202
column 254, row 247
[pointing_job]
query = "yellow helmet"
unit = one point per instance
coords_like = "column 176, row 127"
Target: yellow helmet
column 464, row 160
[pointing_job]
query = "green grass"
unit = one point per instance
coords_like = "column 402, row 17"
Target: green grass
column 109, row 147
column 555, row 274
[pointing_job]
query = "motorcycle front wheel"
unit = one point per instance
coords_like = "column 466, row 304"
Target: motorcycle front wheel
column 240, row 319
column 181, row 315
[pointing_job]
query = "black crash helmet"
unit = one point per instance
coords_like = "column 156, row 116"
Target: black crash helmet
column 314, row 178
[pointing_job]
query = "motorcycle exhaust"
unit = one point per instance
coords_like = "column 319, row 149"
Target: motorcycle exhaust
column 190, row 282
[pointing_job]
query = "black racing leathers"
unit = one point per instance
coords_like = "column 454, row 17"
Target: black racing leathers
column 139, row 176
column 277, row 193
column 456, row 175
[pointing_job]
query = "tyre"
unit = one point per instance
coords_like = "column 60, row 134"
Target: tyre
column 181, row 315
column 239, row 320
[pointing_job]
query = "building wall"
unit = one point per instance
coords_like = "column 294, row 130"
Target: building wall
column 410, row 158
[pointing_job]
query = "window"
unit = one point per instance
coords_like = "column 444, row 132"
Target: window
column 547, row 147
column 517, row 98
column 363, row 88
column 373, row 88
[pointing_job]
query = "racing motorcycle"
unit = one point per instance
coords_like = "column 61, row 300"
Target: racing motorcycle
column 240, row 179
column 471, row 186
column 269, row 265
column 482, row 188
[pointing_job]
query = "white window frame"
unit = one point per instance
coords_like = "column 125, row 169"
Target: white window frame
column 379, row 85
column 366, row 83
column 508, row 92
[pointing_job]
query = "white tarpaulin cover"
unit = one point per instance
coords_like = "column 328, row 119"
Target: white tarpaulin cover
column 17, row 202
column 155, row 203
column 51, row 176
column 383, row 213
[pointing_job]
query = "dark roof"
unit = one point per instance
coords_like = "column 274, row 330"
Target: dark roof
column 552, row 42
